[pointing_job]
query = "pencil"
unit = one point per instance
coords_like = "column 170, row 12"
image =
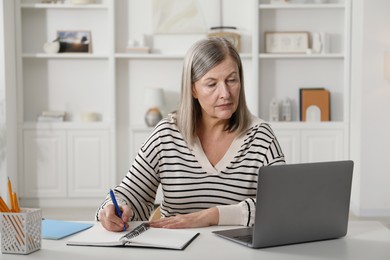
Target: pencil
column 10, row 195
column 3, row 206
column 15, row 201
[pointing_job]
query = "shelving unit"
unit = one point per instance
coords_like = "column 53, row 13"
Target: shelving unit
column 282, row 75
column 61, row 161
column 76, row 162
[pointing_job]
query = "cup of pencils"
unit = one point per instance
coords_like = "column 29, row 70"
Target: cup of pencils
column 20, row 228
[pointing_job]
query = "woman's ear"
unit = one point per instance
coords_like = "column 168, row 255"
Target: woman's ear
column 194, row 93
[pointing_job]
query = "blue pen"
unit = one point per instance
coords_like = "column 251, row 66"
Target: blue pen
column 118, row 211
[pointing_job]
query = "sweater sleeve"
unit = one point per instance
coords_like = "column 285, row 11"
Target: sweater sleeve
column 139, row 187
column 242, row 214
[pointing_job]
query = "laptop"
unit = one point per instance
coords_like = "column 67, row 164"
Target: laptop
column 298, row 203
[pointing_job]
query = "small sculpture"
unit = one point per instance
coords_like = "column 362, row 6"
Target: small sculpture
column 286, row 110
column 274, row 110
column 317, row 43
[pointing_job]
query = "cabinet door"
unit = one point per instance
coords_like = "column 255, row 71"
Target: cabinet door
column 44, row 164
column 88, row 155
column 289, row 141
column 138, row 137
column 322, row 145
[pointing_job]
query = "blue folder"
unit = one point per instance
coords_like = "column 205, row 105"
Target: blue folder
column 57, row 229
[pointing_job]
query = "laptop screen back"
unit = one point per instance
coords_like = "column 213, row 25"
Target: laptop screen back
column 302, row 202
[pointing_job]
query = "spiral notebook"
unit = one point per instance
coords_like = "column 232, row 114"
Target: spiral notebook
column 139, row 234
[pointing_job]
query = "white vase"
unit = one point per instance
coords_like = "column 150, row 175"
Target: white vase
column 51, row 47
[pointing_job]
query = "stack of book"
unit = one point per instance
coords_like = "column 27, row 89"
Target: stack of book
column 52, row 116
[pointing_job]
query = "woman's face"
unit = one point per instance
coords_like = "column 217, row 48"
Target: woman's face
column 218, row 91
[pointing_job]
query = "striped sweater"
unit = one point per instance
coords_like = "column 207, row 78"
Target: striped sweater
column 190, row 183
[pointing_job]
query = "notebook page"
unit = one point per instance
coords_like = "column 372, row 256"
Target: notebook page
column 164, row 238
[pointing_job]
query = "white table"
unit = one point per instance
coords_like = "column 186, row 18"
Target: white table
column 365, row 240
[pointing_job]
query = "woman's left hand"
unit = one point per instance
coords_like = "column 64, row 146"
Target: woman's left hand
column 203, row 218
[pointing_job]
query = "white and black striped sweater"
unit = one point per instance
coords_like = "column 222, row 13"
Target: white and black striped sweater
column 190, row 183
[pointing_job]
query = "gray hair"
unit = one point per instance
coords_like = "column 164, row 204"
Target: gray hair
column 201, row 58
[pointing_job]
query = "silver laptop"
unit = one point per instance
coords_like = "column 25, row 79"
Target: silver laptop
column 298, row 203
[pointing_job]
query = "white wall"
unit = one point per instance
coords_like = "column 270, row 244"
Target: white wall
column 8, row 129
column 2, row 107
column 370, row 131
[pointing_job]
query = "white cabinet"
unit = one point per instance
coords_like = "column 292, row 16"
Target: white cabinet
column 65, row 163
column 44, row 164
column 88, row 163
column 290, row 142
column 322, row 145
column 307, row 143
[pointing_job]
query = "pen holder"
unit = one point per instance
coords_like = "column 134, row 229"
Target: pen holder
column 21, row 233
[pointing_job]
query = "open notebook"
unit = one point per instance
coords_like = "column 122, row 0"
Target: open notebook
column 137, row 235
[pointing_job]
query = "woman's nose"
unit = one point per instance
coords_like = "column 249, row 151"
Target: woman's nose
column 224, row 91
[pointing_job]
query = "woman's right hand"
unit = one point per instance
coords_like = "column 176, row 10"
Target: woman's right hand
column 111, row 221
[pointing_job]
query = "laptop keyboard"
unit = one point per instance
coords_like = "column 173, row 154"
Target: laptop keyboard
column 245, row 238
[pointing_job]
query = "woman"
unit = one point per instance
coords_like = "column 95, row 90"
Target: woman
column 206, row 155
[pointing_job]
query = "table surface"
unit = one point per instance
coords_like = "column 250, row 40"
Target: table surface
column 365, row 240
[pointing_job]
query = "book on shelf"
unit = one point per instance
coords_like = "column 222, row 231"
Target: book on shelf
column 53, row 113
column 52, row 116
column 314, row 104
column 139, row 234
column 50, row 119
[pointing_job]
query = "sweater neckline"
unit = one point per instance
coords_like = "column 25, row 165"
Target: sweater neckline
column 225, row 160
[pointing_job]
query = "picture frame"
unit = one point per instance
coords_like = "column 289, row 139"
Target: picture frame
column 314, row 104
column 75, row 41
column 286, row 42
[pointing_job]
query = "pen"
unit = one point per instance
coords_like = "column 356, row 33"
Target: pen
column 118, row 211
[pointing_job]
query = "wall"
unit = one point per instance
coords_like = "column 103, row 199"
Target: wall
column 370, row 121
column 2, row 107
column 8, row 132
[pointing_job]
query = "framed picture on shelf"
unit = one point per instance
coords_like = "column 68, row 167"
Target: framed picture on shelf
column 286, row 42
column 75, row 41
column 314, row 104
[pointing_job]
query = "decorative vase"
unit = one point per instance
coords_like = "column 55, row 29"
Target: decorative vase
column 152, row 116
column 52, row 47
